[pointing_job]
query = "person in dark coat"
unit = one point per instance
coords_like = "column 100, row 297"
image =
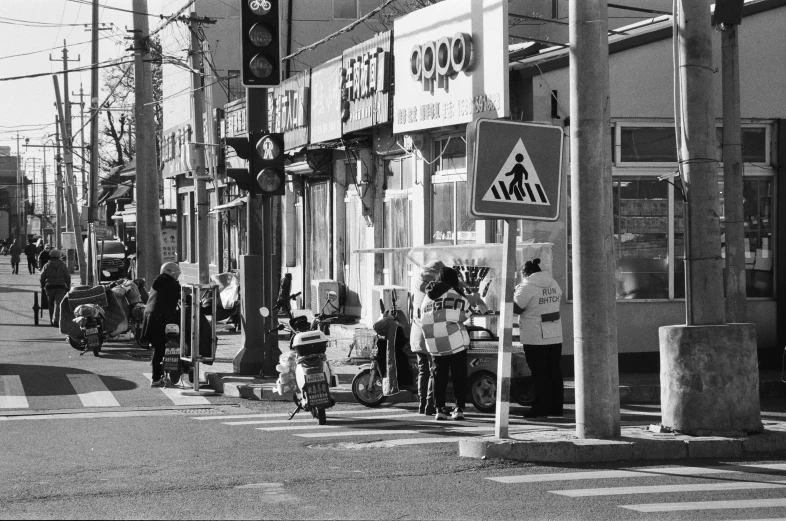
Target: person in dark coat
column 32, row 254
column 16, row 252
column 43, row 257
column 161, row 309
column 55, row 280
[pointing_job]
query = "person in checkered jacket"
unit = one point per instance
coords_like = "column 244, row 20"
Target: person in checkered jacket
column 444, row 310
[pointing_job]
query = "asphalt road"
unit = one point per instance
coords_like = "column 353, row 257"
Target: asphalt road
column 85, row 437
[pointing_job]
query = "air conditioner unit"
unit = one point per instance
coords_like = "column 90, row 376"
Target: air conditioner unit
column 384, row 294
column 325, row 294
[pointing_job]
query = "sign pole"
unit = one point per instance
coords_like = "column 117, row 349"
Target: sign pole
column 505, row 330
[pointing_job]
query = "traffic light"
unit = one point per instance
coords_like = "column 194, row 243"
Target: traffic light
column 240, row 175
column 267, row 165
column 260, row 43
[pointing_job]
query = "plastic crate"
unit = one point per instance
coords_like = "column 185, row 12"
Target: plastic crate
column 363, row 343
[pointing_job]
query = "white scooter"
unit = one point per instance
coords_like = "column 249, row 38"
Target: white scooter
column 313, row 376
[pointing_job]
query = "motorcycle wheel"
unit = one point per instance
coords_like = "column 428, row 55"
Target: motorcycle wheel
column 361, row 391
column 174, row 376
column 321, row 416
column 483, row 391
column 75, row 343
column 138, row 338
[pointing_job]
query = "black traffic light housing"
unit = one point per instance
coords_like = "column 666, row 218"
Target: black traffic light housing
column 240, row 175
column 260, row 43
column 266, row 162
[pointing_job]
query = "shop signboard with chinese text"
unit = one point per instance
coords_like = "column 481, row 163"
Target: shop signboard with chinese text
column 234, row 125
column 326, row 101
column 452, row 71
column 175, row 152
column 169, row 245
column 288, row 108
column 365, row 83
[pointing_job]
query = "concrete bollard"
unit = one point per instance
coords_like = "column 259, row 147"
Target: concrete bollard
column 709, row 379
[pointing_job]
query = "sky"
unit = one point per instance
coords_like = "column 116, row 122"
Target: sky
column 36, row 29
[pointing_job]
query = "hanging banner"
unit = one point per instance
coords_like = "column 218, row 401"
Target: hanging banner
column 69, row 240
column 326, row 101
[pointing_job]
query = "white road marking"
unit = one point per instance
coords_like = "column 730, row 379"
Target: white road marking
column 89, row 415
column 708, row 505
column 421, row 441
column 329, row 412
column 12, row 393
column 663, row 489
column 315, row 425
column 91, row 390
column 637, row 473
column 177, row 398
column 353, row 433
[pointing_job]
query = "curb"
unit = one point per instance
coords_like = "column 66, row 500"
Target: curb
column 633, row 445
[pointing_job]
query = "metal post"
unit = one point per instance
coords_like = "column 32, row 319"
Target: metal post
column 704, row 269
column 505, row 329
column 594, row 306
column 734, row 274
column 58, row 189
column 20, row 205
column 73, row 215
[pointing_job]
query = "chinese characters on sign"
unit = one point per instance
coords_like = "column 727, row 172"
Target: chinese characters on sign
column 169, row 245
column 326, row 101
column 365, row 83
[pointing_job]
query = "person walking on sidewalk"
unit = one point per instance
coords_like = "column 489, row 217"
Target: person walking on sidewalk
column 43, row 257
column 417, row 341
column 32, row 256
column 55, row 280
column 444, row 310
column 537, row 302
column 161, row 309
column 16, row 252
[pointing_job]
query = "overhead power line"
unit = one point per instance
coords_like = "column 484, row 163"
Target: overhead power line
column 102, row 65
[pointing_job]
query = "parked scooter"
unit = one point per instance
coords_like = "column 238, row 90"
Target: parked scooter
column 90, row 319
column 305, row 370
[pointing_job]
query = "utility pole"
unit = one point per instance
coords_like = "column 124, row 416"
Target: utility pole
column 21, row 231
column 594, row 305
column 708, row 369
column 92, row 199
column 82, row 138
column 58, row 188
column 734, row 274
column 148, row 213
column 200, row 176
column 73, row 215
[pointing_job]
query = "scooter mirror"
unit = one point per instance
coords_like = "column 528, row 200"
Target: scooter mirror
column 265, row 312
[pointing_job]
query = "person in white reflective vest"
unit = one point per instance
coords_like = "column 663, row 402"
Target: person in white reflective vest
column 537, row 302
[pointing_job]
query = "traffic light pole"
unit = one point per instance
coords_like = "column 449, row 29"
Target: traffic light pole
column 259, row 267
column 200, row 177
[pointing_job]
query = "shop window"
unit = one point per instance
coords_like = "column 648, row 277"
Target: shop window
column 319, row 223
column 755, row 144
column 452, row 155
column 758, row 225
column 647, row 144
column 398, row 173
column 641, row 240
column 398, row 234
column 4, row 199
column 451, row 223
column 345, row 9
column 212, row 230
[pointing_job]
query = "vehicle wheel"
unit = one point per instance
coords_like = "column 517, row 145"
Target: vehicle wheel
column 361, row 389
column 523, row 392
column 483, row 391
column 75, row 343
column 321, row 416
column 174, row 376
column 138, row 338
column 96, row 350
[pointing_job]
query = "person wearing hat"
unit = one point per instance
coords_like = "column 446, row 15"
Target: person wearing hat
column 31, row 253
column 43, row 257
column 161, row 309
column 417, row 341
column 537, row 302
column 55, row 280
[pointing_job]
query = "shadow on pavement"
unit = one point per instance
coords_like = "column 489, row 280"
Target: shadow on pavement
column 53, row 380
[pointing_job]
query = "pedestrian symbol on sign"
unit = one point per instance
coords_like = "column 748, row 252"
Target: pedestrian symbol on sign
column 267, row 148
column 517, row 180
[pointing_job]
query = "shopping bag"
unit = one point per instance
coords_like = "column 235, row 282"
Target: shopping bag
column 231, row 294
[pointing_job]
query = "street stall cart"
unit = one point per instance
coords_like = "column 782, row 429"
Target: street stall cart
column 479, row 266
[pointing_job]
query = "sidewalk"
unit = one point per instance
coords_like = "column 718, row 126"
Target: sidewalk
column 642, row 388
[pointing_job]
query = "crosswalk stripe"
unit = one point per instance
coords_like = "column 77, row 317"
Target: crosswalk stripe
column 330, row 412
column 91, row 390
column 177, row 398
column 315, row 425
column 288, row 422
column 639, row 473
column 708, row 505
column 664, row 489
column 352, row 433
column 12, row 393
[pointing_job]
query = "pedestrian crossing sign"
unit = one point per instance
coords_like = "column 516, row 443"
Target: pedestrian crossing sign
column 515, row 170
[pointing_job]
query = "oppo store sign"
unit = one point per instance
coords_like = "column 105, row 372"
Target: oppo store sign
column 453, row 72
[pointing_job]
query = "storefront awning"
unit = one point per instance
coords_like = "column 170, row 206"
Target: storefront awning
column 121, row 192
column 240, row 201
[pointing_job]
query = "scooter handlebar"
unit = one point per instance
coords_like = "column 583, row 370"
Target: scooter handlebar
column 277, row 328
